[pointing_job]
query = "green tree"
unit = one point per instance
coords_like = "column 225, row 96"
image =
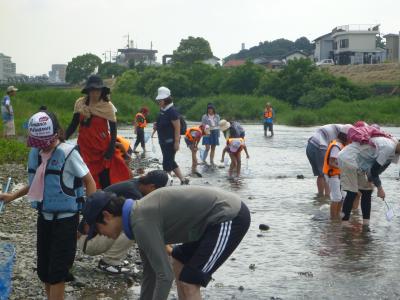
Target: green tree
column 128, row 82
column 109, row 69
column 81, row 67
column 243, row 79
column 304, row 44
column 191, row 50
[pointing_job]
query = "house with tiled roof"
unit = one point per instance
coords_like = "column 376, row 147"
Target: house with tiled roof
column 234, row 63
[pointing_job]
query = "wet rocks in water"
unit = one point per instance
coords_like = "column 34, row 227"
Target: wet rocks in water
column 233, row 258
column 260, row 235
column 251, row 197
column 275, row 298
column 241, row 288
column 301, row 176
column 263, row 227
column 252, row 267
column 196, row 174
column 281, row 177
column 306, row 274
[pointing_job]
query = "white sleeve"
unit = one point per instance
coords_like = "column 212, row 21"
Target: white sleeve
column 334, row 152
column 75, row 165
column 385, row 153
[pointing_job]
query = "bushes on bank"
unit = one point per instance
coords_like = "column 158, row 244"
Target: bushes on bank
column 13, row 151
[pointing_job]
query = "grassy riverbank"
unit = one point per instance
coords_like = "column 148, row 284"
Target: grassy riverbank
column 378, row 109
column 381, row 110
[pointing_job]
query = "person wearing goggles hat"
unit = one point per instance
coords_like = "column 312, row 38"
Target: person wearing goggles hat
column 57, row 175
column 115, row 251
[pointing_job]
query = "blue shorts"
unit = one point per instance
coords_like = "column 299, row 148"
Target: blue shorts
column 212, row 139
column 316, row 158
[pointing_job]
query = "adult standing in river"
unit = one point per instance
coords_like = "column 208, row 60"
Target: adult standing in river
column 316, row 149
column 269, row 116
column 7, row 113
column 168, row 128
column 211, row 118
column 95, row 115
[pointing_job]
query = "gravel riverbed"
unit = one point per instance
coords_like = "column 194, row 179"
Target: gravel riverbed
column 18, row 227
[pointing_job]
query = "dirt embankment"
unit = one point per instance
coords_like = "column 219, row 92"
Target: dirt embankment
column 369, row 74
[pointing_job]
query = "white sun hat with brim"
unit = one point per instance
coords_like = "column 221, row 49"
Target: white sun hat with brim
column 163, row 93
column 11, row 89
column 224, row 125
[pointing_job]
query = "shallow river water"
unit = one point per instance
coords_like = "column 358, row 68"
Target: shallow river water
column 302, row 255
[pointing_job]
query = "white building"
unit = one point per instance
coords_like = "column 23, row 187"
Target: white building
column 350, row 44
column 7, row 68
column 297, row 54
column 356, row 44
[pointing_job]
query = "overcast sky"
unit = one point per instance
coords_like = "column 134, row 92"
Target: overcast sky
column 39, row 33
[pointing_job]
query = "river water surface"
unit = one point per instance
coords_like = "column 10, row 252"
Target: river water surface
column 302, row 255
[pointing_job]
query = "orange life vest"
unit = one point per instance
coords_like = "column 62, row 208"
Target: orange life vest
column 125, row 143
column 268, row 113
column 189, row 136
column 328, row 169
column 139, row 123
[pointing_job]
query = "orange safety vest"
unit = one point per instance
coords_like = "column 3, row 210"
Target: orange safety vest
column 328, row 169
column 268, row 113
column 141, row 124
column 125, row 143
column 188, row 133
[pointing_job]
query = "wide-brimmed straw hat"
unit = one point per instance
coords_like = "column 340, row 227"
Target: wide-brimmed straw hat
column 95, row 82
column 224, row 125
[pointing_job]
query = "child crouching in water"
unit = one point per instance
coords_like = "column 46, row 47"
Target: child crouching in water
column 193, row 136
column 234, row 147
column 57, row 175
column 332, row 174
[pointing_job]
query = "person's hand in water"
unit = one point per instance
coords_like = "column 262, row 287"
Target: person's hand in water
column 381, row 193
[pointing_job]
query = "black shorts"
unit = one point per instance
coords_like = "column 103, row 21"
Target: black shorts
column 56, row 247
column 168, row 153
column 203, row 257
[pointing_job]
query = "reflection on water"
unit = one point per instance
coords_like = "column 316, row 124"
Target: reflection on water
column 303, row 255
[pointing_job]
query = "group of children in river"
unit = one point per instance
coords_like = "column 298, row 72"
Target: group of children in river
column 196, row 228
column 347, row 160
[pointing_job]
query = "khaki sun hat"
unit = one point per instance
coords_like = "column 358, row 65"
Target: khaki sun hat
column 224, row 125
column 11, row 89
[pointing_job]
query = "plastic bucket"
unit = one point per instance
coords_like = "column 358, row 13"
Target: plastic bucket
column 7, row 256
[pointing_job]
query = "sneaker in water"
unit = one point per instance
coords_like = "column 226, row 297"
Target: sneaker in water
column 185, row 181
column 112, row 269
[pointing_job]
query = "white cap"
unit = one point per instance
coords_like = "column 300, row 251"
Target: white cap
column 11, row 89
column 41, row 125
column 163, row 93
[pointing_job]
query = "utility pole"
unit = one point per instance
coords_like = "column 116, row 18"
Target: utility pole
column 110, row 54
column 105, row 56
column 128, row 44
